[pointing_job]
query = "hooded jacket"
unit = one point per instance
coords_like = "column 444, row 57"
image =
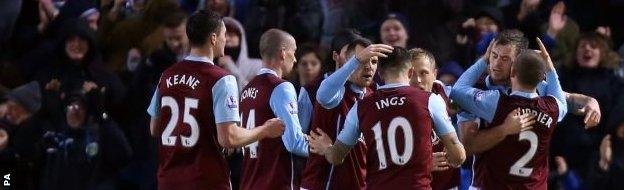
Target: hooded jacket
column 247, row 67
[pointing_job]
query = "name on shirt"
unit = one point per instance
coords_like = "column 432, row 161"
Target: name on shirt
column 542, row 118
column 249, row 93
column 188, row 80
column 387, row 102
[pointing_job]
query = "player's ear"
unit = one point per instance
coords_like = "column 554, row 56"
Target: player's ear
column 435, row 73
column 213, row 39
column 410, row 73
column 282, row 53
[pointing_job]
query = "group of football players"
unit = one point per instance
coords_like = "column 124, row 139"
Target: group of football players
column 354, row 131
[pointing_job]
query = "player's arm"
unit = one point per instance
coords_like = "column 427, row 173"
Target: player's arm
column 283, row 102
column 580, row 104
column 305, row 110
column 321, row 144
column 445, row 130
column 152, row 110
column 479, row 102
column 229, row 134
column 331, row 90
column 554, row 87
column 477, row 141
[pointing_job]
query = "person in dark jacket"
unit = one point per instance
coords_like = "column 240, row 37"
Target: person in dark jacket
column 590, row 70
column 87, row 151
column 73, row 59
column 20, row 131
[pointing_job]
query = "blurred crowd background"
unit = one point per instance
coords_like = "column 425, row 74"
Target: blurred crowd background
column 77, row 75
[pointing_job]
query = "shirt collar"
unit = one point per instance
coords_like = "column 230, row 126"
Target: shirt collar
column 491, row 86
column 199, row 59
column 525, row 94
column 393, row 85
column 265, row 70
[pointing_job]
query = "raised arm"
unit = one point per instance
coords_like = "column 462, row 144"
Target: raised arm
column 479, row 102
column 553, row 87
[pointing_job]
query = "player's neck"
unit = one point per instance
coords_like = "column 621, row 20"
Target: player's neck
column 274, row 67
column 522, row 88
column 396, row 79
column 202, row 52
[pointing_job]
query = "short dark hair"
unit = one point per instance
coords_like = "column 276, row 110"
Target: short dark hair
column 513, row 37
column 397, row 61
column 530, row 68
column 343, row 38
column 272, row 41
column 364, row 42
column 174, row 19
column 201, row 24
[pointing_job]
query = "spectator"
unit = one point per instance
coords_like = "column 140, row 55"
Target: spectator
column 88, row 150
column 590, row 70
column 141, row 32
column 75, row 59
column 236, row 59
column 309, row 66
column 561, row 177
column 393, row 31
column 20, row 131
column 607, row 167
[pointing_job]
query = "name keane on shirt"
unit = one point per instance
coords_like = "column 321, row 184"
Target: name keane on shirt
column 542, row 118
column 387, row 102
column 188, row 80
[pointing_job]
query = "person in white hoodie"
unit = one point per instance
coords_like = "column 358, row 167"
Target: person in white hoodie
column 236, row 59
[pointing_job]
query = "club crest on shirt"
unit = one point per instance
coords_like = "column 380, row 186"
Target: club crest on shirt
column 478, row 95
column 292, row 108
column 231, row 102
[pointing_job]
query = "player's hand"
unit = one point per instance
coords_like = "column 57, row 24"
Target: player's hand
column 606, row 153
column 562, row 166
column 516, row 123
column 488, row 51
column 592, row 113
column 440, row 163
column 4, row 139
column 544, row 53
column 273, row 128
column 379, row 50
column 319, row 142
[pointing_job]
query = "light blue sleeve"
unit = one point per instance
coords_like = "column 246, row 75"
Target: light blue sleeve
column 441, row 121
column 465, row 116
column 476, row 101
column 283, row 102
column 541, row 88
column 351, row 131
column 154, row 106
column 305, row 110
column 554, row 89
column 225, row 100
column 332, row 89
